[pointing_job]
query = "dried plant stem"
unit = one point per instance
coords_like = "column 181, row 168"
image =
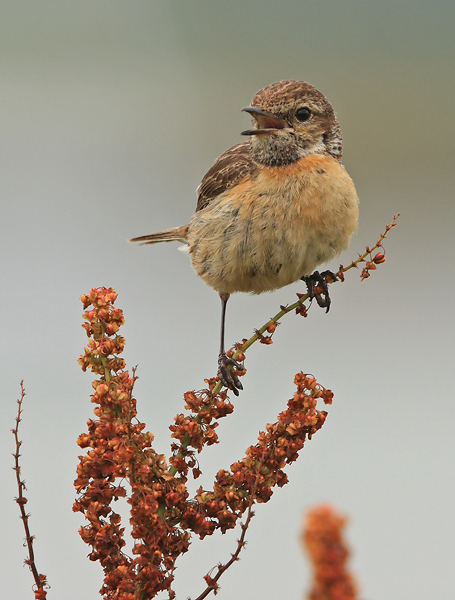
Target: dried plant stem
column 40, row 580
column 212, row 582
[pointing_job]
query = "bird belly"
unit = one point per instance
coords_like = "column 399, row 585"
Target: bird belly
column 265, row 234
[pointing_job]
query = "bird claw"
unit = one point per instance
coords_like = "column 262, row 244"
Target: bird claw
column 320, row 280
column 228, row 377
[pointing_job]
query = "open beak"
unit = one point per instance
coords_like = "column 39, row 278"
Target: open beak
column 266, row 123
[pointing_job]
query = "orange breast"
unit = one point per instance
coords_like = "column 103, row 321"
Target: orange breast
column 269, row 230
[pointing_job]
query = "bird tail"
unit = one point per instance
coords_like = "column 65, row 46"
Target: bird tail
column 175, row 234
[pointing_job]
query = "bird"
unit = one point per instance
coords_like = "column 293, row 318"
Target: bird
column 273, row 208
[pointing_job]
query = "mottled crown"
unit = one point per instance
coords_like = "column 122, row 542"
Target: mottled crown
column 282, row 97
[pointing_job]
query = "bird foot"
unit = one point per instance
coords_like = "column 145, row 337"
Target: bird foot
column 318, row 288
column 228, row 377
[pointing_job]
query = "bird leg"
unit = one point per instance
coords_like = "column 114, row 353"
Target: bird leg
column 319, row 280
column 227, row 377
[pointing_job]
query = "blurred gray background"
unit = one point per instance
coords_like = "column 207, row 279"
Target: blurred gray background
column 110, row 114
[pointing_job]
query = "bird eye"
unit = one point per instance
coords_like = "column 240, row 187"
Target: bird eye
column 303, row 114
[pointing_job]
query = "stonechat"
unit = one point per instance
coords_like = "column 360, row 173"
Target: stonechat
column 273, row 208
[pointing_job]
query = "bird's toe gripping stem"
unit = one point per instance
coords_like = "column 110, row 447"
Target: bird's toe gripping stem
column 228, row 377
column 318, row 288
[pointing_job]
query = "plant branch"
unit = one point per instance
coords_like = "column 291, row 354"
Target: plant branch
column 212, row 582
column 119, row 450
column 40, row 580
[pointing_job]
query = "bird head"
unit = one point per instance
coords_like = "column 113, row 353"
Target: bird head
column 292, row 119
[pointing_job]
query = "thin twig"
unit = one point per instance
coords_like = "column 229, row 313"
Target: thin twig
column 40, row 580
column 212, row 582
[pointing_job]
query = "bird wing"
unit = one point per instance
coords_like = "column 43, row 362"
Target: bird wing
column 226, row 172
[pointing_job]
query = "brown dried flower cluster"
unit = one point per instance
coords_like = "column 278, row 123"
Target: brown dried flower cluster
column 120, row 453
column 323, row 539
